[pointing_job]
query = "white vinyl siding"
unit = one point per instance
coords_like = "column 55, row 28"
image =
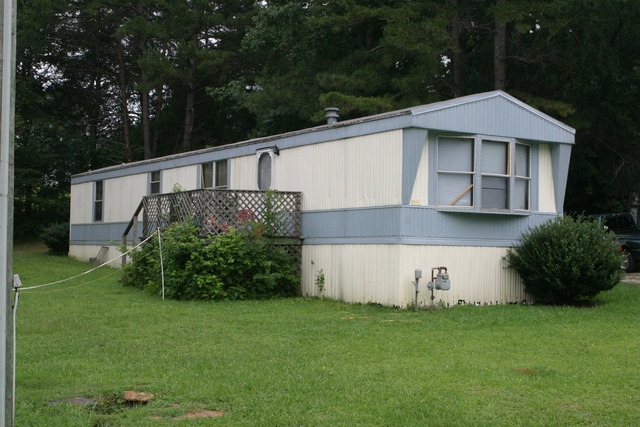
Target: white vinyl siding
column 123, row 195
column 243, row 173
column 82, row 210
column 363, row 273
column 546, row 187
column 178, row 178
column 350, row 173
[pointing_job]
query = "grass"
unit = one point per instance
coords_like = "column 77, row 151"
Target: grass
column 313, row 362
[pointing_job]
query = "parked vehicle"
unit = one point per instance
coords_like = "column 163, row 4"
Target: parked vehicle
column 625, row 227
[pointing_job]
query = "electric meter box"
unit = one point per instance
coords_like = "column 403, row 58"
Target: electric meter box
column 442, row 282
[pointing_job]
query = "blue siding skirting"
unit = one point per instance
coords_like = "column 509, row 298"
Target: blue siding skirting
column 98, row 233
column 418, row 225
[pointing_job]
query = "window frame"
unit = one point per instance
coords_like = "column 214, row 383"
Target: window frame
column 98, row 201
column 271, row 152
column 517, row 175
column 216, row 174
column 155, row 182
column 214, row 180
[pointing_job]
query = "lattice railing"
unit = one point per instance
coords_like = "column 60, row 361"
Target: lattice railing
column 216, row 211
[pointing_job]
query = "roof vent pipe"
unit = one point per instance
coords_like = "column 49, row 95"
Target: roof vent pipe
column 331, row 114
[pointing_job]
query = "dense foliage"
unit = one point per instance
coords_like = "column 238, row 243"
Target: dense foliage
column 566, row 260
column 56, row 238
column 102, row 82
column 241, row 264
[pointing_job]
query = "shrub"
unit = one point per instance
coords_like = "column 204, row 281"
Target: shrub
column 566, row 260
column 241, row 264
column 56, row 238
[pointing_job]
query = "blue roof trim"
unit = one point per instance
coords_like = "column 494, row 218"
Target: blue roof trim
column 455, row 115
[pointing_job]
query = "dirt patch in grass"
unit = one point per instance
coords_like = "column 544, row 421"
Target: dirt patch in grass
column 129, row 399
column 198, row 413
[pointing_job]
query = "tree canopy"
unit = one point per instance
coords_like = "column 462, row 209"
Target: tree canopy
column 101, row 82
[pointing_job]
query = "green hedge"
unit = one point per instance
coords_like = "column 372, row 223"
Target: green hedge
column 566, row 260
column 241, row 264
column 56, row 238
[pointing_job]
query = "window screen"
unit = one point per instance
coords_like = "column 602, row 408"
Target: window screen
column 496, row 173
column 264, row 171
column 495, row 170
column 455, row 168
column 221, row 174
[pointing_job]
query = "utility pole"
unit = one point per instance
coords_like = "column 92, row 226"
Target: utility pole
column 7, row 123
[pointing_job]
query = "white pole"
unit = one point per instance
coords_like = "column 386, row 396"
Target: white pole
column 7, row 105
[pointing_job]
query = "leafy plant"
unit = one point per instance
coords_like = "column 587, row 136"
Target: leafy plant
column 566, row 260
column 56, row 238
column 240, row 264
column 320, row 280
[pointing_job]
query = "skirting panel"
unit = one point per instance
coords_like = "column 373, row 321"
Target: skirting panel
column 384, row 274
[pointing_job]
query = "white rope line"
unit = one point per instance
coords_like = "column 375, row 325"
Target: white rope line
column 115, row 271
column 91, row 270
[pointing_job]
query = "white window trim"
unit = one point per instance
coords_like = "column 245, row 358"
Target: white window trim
column 477, row 175
column 273, row 152
column 214, row 175
column 95, row 200
column 159, row 182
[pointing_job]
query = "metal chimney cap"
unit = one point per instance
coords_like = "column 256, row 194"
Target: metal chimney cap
column 331, row 114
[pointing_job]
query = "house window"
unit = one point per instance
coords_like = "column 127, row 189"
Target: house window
column 214, row 175
column 221, row 174
column 455, row 171
column 98, row 201
column 154, row 182
column 522, row 193
column 265, row 169
column 206, row 175
column 483, row 174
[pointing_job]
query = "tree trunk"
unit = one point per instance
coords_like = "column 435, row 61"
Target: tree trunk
column 158, row 112
column 500, row 52
column 189, row 114
column 146, row 124
column 458, row 49
column 124, row 101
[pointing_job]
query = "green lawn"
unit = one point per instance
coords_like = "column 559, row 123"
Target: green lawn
column 311, row 362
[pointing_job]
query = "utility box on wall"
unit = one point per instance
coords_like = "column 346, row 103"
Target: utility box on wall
column 442, row 282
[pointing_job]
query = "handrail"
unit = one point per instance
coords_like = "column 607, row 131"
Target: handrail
column 133, row 222
column 133, row 218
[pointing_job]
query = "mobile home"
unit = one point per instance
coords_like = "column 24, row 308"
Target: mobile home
column 451, row 184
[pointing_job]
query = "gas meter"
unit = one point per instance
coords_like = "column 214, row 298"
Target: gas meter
column 442, row 282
